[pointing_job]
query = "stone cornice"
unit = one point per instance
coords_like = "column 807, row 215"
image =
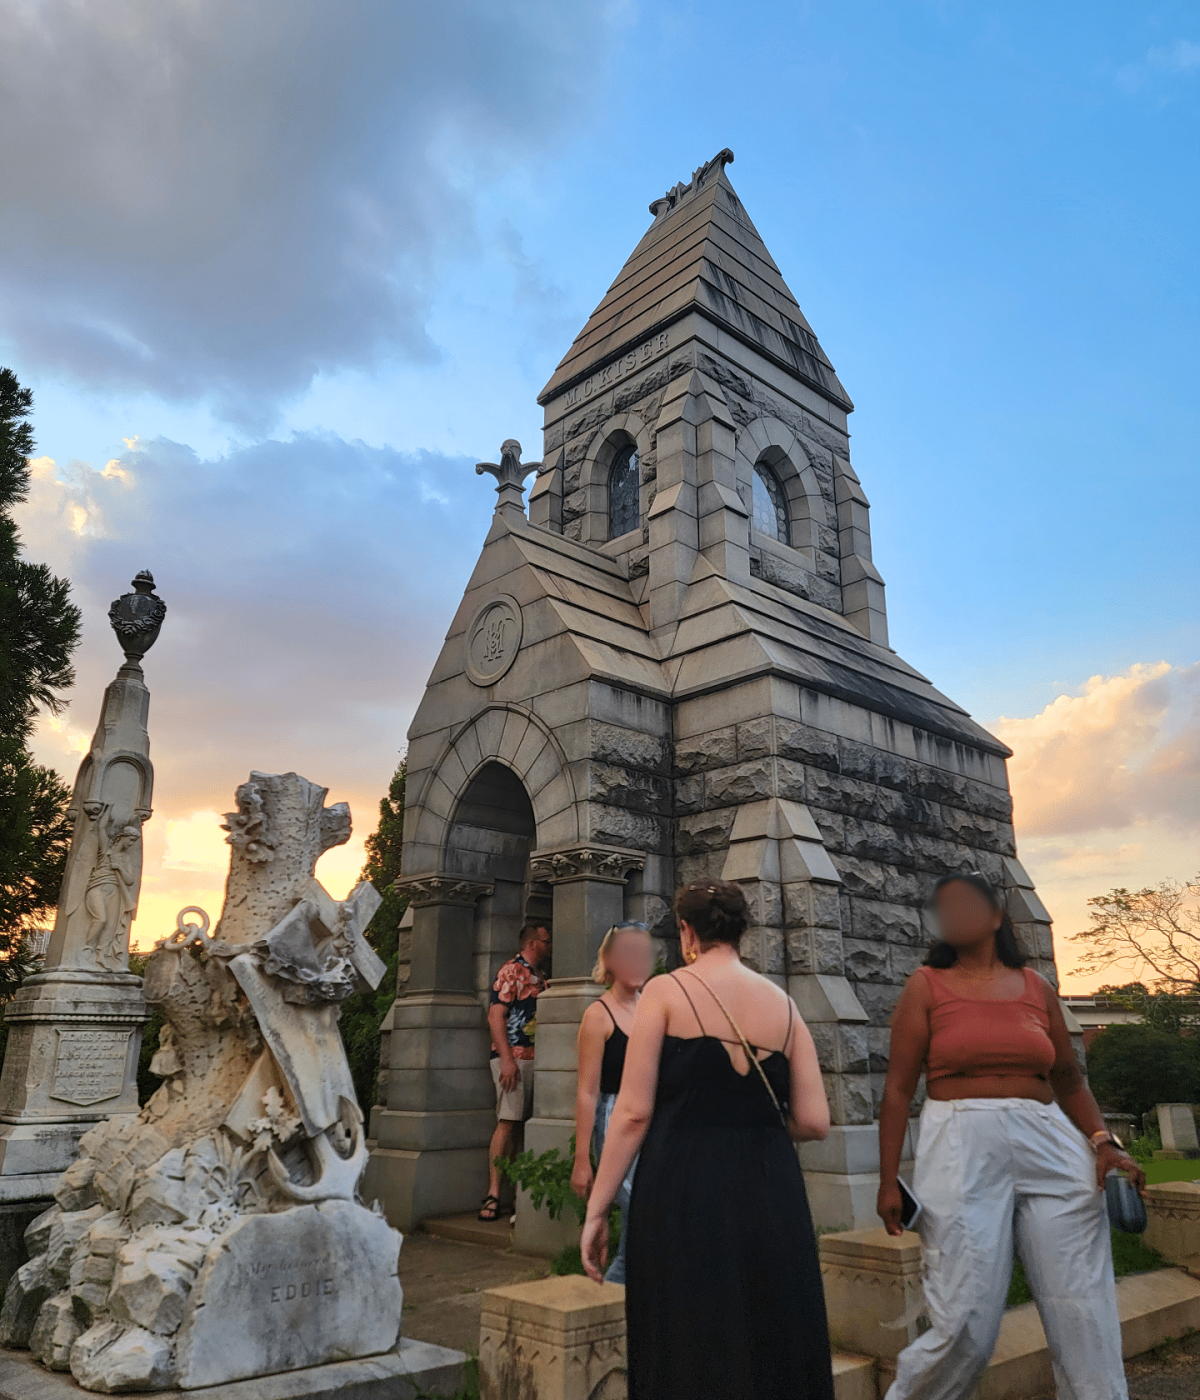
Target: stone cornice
column 610, row 864
column 442, row 889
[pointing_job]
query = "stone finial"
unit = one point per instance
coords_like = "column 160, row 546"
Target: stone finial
column 137, row 617
column 510, row 475
column 663, row 206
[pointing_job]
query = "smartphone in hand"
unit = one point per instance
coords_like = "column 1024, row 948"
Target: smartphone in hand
column 910, row 1207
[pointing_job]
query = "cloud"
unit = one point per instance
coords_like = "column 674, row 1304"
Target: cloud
column 1106, row 791
column 221, row 200
column 308, row 584
column 1127, row 748
column 1181, row 57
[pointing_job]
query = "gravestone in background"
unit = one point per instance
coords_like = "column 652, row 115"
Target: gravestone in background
column 1177, row 1127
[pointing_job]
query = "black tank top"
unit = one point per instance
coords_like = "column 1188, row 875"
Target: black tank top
column 613, row 1063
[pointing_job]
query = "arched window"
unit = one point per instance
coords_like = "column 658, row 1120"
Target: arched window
column 624, row 493
column 770, row 508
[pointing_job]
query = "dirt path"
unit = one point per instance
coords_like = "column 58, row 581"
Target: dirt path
column 443, row 1283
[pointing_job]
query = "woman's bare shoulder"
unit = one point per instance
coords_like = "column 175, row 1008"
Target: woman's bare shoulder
column 918, row 990
column 659, row 990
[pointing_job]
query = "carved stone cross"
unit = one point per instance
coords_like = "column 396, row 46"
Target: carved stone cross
column 510, row 475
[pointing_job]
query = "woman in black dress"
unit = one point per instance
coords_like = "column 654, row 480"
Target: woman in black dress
column 723, row 1288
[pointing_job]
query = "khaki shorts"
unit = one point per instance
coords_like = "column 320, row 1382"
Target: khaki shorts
column 514, row 1105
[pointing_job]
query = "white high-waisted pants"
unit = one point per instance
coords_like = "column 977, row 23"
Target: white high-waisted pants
column 987, row 1169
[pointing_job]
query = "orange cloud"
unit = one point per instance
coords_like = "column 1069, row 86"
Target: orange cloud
column 1127, row 748
column 1106, row 791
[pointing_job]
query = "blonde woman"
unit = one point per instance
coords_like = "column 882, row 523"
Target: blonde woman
column 623, row 964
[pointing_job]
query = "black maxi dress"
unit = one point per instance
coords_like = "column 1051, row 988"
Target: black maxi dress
column 723, row 1294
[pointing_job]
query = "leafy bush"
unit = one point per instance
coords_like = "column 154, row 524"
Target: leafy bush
column 547, row 1179
column 1131, row 1068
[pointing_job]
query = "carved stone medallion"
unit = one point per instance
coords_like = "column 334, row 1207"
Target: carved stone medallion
column 493, row 639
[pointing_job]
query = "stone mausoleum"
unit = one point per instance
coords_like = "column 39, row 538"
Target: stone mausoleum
column 677, row 666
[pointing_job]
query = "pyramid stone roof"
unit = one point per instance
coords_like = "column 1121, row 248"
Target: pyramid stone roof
column 702, row 253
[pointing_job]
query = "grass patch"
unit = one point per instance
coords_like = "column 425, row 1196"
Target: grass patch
column 1167, row 1170
column 570, row 1261
column 1130, row 1256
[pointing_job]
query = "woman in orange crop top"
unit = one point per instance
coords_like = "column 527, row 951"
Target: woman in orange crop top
column 1012, row 1152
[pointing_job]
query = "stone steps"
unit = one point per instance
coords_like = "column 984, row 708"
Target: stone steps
column 1154, row 1308
column 853, row 1376
column 469, row 1229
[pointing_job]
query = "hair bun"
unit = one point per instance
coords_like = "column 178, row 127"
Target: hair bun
column 716, row 909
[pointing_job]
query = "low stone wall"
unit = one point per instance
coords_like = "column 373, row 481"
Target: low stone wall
column 564, row 1339
column 1173, row 1212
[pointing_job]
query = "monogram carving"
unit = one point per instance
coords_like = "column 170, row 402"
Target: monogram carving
column 493, row 639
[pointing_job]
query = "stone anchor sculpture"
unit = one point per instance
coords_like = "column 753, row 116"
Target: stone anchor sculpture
column 217, row 1235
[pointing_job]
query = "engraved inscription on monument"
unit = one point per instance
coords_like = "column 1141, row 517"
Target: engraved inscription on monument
column 89, row 1066
column 493, row 639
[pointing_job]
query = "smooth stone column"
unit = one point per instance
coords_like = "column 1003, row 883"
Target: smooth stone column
column 589, row 897
column 429, row 1141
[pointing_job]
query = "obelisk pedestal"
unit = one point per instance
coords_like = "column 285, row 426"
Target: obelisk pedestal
column 75, row 1028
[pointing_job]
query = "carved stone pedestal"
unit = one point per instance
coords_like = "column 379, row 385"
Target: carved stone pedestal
column 71, row 1061
column 873, row 1292
column 556, row 1339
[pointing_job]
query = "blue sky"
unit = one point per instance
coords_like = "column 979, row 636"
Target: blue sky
column 313, row 262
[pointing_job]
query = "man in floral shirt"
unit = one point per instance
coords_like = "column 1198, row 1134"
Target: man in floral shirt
column 512, row 1020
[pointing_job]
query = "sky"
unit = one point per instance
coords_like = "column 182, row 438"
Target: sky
column 280, row 274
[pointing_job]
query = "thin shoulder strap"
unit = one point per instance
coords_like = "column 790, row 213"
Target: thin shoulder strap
column 746, row 1046
column 608, row 1008
column 690, row 1002
column 787, row 1039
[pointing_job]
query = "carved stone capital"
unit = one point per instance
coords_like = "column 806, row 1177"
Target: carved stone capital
column 442, row 889
column 610, row 864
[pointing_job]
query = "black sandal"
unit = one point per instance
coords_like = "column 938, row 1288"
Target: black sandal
column 489, row 1211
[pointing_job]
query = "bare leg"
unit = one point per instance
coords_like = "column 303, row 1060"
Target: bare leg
column 500, row 1146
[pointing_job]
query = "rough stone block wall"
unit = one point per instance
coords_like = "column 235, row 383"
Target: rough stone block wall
column 892, row 826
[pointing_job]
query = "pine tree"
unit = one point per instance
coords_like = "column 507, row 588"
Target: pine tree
column 363, row 1013
column 39, row 629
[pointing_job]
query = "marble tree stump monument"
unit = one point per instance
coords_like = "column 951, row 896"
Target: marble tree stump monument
column 217, row 1235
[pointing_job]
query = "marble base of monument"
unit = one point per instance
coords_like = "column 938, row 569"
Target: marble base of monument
column 70, row 1062
column 411, row 1371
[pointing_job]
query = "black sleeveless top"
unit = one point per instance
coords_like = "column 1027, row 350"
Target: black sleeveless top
column 613, row 1064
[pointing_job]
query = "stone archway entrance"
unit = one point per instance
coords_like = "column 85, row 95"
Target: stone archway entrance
column 488, row 841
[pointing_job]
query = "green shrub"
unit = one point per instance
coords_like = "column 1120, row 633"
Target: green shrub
column 547, row 1179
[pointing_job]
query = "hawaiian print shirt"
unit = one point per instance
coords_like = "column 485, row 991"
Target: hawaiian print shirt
column 516, row 987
